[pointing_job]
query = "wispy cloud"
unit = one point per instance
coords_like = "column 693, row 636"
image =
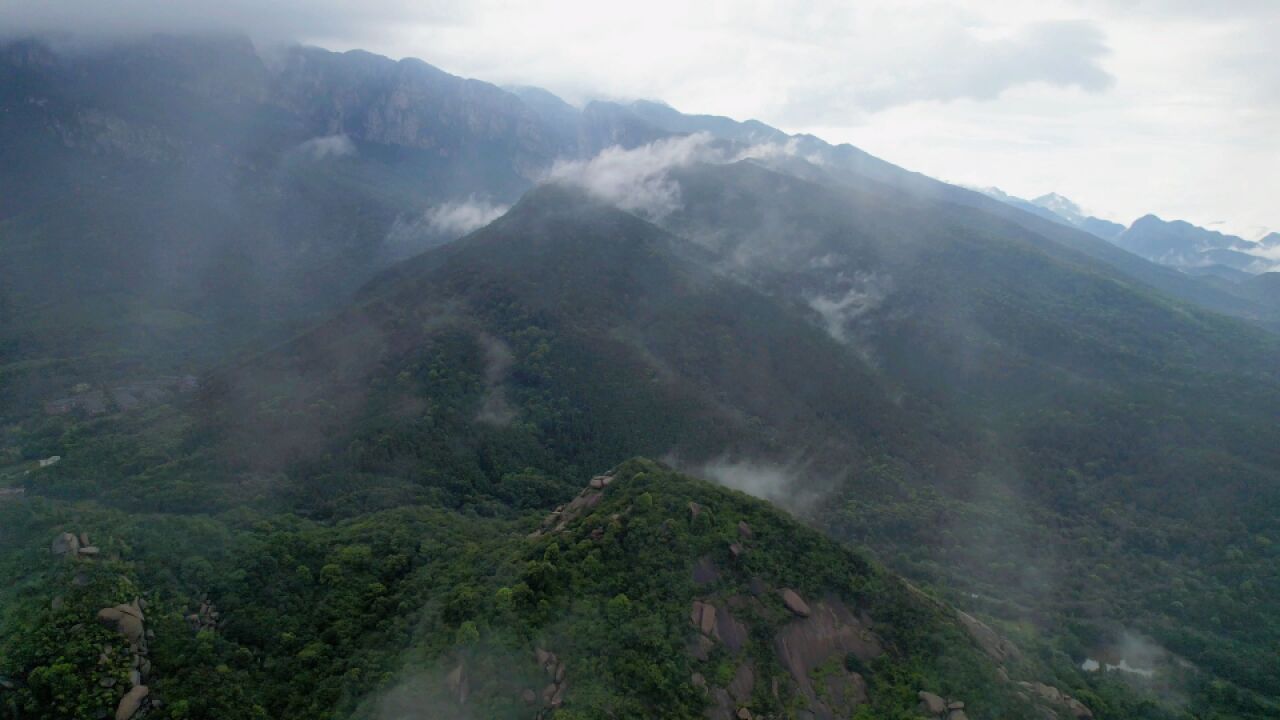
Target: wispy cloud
column 328, row 146
column 638, row 179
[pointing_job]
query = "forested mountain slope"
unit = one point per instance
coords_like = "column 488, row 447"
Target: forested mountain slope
column 351, row 484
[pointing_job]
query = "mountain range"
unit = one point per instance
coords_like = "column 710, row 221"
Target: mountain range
column 1177, row 244
column 459, row 355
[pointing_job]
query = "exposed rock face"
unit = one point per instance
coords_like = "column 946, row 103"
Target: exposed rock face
column 1055, row 696
column 830, row 630
column 705, row 571
column 65, row 544
column 996, row 647
column 578, row 507
column 794, row 602
column 132, row 701
column 744, row 681
column 459, row 686
column 127, row 620
column 931, row 704
column 729, row 631
column 552, row 695
column 205, row 618
column 703, row 616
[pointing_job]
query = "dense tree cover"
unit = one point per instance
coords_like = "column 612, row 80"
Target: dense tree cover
column 352, row 617
column 477, row 387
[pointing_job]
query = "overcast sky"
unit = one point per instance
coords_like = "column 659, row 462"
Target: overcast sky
column 1126, row 106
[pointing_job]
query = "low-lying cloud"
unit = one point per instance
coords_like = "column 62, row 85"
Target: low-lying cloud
column 784, row 485
column 460, row 217
column 637, row 179
column 328, row 146
column 440, row 224
column 865, row 292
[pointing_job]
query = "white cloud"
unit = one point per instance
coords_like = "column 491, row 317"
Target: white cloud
column 459, row 217
column 1127, row 106
column 328, row 146
column 637, row 179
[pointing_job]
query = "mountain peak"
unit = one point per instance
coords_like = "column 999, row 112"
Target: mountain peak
column 1060, row 205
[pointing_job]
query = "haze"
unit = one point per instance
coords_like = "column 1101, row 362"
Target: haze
column 1126, row 107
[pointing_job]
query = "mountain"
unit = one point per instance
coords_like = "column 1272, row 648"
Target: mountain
column 176, row 196
column 1181, row 244
column 370, row 501
column 1065, row 208
column 489, row 375
column 649, row 594
column 1057, row 208
column 1265, row 286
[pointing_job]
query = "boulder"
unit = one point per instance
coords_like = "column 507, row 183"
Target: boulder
column 845, row 692
column 794, row 602
column 65, row 544
column 90, row 550
column 957, row 715
column 1078, row 709
column 955, row 705
column 458, row 685
column 743, row 683
column 701, row 647
column 109, row 616
column 705, row 571
column 729, row 631
column 132, row 702
column 996, row 647
column 529, row 697
column 831, row 631
column 744, row 530
column 931, row 704
column 703, row 616
column 1048, row 692
column 694, row 510
column 557, row 698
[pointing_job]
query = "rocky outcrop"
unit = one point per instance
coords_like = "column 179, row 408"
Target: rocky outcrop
column 705, row 571
column 937, row 708
column 552, row 694
column 995, row 646
column 128, row 620
column 931, row 704
column 205, row 618
column 1056, row 697
column 703, row 616
column 828, row 632
column 560, row 518
column 72, row 546
column 794, row 602
column 132, row 702
column 66, row 544
column 458, row 683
